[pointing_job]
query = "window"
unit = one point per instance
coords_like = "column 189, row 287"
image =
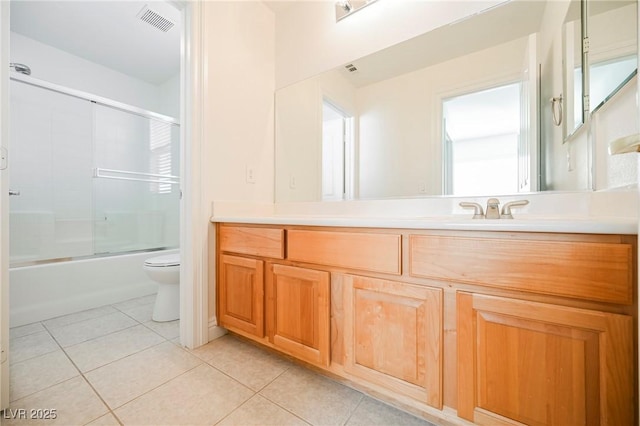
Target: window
column 481, row 133
column 160, row 157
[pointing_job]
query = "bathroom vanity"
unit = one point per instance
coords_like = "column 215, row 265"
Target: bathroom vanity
column 493, row 325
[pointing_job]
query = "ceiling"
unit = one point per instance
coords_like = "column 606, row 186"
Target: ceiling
column 105, row 32
column 509, row 21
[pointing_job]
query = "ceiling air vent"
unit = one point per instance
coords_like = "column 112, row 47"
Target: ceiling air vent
column 154, row 19
column 351, row 68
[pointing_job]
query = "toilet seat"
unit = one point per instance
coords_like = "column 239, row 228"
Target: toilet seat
column 163, row 261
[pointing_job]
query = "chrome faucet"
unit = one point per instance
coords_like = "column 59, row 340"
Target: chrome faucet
column 478, row 213
column 506, row 209
column 493, row 210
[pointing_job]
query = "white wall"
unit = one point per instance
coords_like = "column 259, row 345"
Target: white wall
column 170, row 97
column 57, row 66
column 299, row 133
column 309, row 41
column 615, row 119
column 239, row 101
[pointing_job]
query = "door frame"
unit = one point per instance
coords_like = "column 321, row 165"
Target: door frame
column 194, row 214
column 4, row 207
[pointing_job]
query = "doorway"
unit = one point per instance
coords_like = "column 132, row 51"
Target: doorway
column 337, row 136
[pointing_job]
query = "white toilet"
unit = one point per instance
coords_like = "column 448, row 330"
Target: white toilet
column 165, row 270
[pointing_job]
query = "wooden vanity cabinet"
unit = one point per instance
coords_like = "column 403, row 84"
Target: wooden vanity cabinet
column 393, row 336
column 258, row 297
column 538, row 358
column 298, row 312
column 502, row 328
column 241, row 278
column 521, row 362
column 241, row 294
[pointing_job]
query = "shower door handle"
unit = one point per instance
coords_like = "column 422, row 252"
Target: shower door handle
column 12, row 192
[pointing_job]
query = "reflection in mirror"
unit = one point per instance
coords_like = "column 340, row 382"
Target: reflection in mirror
column 572, row 55
column 481, row 132
column 612, row 54
column 397, row 99
column 336, row 148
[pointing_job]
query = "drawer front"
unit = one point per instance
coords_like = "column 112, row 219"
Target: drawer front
column 354, row 250
column 266, row 242
column 589, row 270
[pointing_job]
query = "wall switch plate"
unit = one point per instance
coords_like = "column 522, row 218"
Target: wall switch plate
column 251, row 175
column 292, row 182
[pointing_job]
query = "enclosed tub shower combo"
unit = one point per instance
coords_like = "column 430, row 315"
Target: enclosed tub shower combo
column 95, row 194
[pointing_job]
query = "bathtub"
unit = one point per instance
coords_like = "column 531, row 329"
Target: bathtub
column 46, row 291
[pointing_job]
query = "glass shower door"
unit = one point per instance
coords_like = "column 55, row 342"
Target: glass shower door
column 136, row 182
column 51, row 154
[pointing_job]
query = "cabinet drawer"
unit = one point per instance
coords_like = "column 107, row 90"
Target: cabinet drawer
column 600, row 271
column 364, row 251
column 267, row 242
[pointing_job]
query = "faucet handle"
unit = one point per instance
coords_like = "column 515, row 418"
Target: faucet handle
column 478, row 213
column 506, row 209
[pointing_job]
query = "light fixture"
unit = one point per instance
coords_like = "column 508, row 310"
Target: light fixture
column 345, row 5
column 345, row 8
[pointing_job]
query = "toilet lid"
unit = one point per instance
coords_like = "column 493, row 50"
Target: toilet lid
column 166, row 260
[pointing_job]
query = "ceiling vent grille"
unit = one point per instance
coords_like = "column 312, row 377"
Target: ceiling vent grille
column 351, row 68
column 154, row 19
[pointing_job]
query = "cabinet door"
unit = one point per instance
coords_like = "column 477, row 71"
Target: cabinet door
column 298, row 312
column 241, row 294
column 393, row 335
column 542, row 364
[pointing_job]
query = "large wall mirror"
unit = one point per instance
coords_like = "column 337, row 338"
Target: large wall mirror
column 455, row 111
column 612, row 49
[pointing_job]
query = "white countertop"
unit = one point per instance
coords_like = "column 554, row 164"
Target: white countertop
column 564, row 224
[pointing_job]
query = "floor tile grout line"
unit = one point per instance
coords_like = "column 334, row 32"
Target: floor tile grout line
column 28, row 334
column 95, row 391
column 236, row 409
column 43, row 389
column 12, row 362
column 151, row 390
column 94, row 338
column 354, row 409
column 164, row 337
column 75, row 313
column 132, row 317
column 284, row 408
column 113, row 410
column 120, row 359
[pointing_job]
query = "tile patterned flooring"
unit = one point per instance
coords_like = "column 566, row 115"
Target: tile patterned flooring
column 113, row 365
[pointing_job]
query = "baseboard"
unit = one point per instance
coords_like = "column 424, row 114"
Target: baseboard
column 216, row 332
